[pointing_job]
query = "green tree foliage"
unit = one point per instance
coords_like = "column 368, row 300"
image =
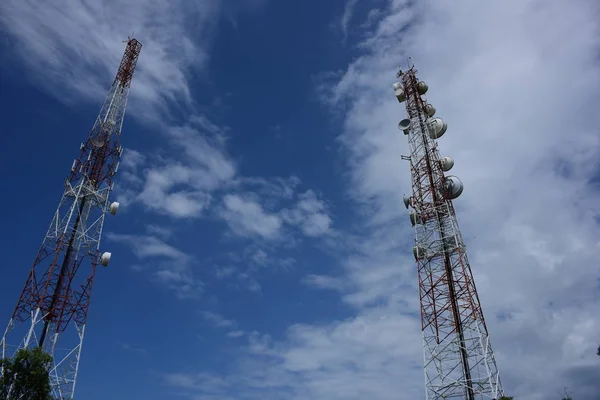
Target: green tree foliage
column 505, row 398
column 27, row 374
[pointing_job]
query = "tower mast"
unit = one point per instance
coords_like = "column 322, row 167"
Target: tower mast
column 55, row 299
column 459, row 361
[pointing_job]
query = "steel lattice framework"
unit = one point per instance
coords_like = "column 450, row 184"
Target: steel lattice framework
column 458, row 358
column 55, row 300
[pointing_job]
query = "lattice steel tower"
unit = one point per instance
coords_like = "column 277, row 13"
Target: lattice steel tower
column 55, row 300
column 459, row 362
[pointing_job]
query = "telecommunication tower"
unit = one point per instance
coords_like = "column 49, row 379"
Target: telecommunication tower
column 55, row 300
column 458, row 357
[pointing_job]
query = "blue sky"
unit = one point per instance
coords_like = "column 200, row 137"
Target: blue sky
column 262, row 250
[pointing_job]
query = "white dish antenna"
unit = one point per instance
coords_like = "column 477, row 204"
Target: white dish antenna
column 429, row 110
column 405, row 125
column 453, row 187
column 97, row 141
column 105, row 258
column 406, row 201
column 446, row 163
column 437, row 128
column 415, row 219
column 114, row 207
column 399, row 91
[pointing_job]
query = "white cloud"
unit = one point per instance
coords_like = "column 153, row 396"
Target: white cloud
column 309, row 213
column 161, row 231
column 181, row 188
column 168, row 265
column 347, row 17
column 134, row 349
column 517, row 82
column 149, row 246
column 205, row 149
column 246, row 217
column 272, row 190
column 526, row 224
column 324, row 282
column 224, row 272
column 262, row 254
column 128, row 177
column 66, row 47
column 218, row 320
column 260, row 257
column 519, row 102
column 348, row 359
column 132, row 159
column 76, row 62
column 157, row 193
column 250, row 283
column 77, row 45
column 243, row 270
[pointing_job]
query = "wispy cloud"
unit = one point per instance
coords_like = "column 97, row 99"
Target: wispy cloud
column 182, row 187
column 131, row 348
column 244, row 270
column 214, row 385
column 157, row 193
column 59, row 38
column 535, row 223
column 75, row 62
column 132, row 159
column 347, row 17
column 187, row 187
column 261, row 255
column 160, row 231
column 246, row 217
column 310, row 214
column 168, row 265
column 218, row 320
column 175, row 38
column 525, row 220
column 324, row 282
column 344, row 360
column 271, row 190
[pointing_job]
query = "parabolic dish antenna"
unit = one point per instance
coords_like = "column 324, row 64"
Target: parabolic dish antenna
column 446, row 163
column 453, row 187
column 98, row 141
column 405, row 125
column 437, row 127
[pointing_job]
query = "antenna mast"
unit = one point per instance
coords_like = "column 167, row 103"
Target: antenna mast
column 459, row 361
column 55, row 300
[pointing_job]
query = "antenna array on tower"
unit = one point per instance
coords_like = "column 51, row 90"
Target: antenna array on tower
column 459, row 362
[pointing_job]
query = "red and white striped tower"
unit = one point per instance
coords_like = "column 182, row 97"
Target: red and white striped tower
column 52, row 310
column 458, row 357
